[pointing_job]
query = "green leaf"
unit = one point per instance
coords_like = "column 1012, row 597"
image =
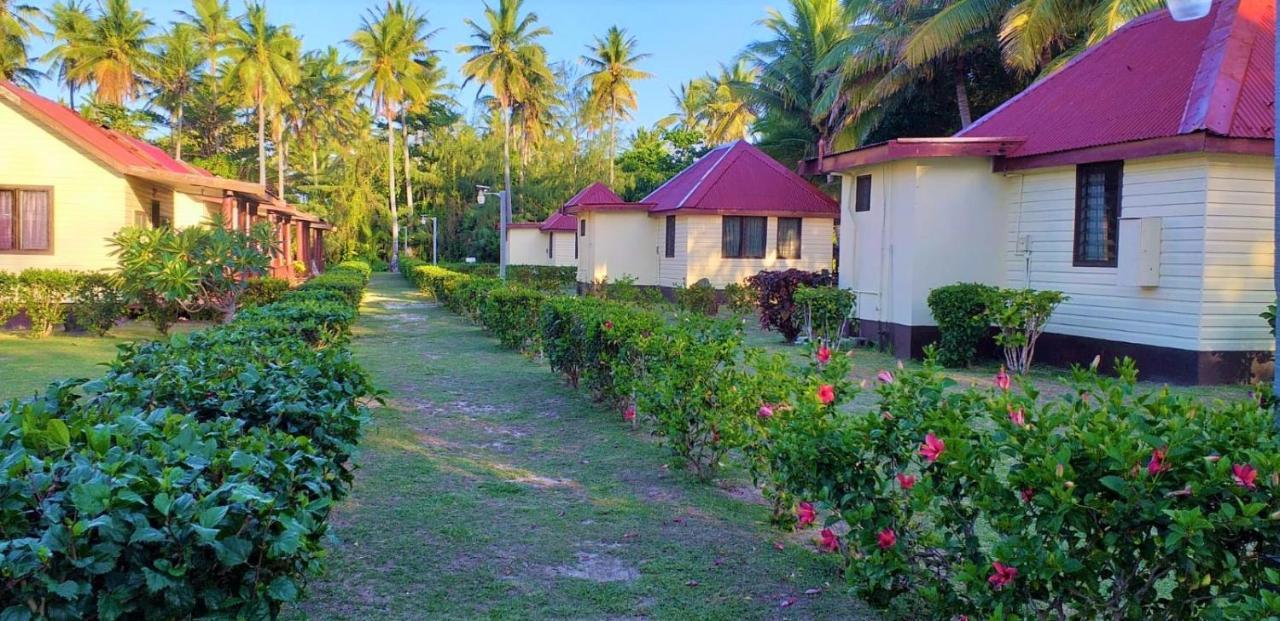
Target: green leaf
column 59, row 434
column 162, row 503
column 210, row 518
column 282, row 589
column 1115, row 484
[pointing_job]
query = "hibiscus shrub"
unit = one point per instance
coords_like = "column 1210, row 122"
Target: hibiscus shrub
column 775, row 295
column 194, row 480
column 512, row 313
column 564, row 335
column 994, row 503
column 960, row 310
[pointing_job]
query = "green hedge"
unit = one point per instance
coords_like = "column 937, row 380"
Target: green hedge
column 194, row 479
column 82, row 300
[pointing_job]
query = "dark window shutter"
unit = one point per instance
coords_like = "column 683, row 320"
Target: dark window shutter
column 862, row 193
column 671, row 236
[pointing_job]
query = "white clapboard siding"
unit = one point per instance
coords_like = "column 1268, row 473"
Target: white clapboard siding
column 1042, row 206
column 672, row 271
column 704, row 248
column 1238, row 261
column 563, row 247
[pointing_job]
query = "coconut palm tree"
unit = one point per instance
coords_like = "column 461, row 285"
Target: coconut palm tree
column 612, row 65
column 114, row 54
column 213, row 24
column 727, row 112
column 508, row 59
column 263, row 66
column 388, row 46
column 790, row 80
column 17, row 25
column 69, row 23
column 174, row 76
column 324, row 104
column 690, row 100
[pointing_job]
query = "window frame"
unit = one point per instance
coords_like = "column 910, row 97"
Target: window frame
column 858, row 205
column 17, row 217
column 669, row 238
column 551, row 244
column 582, row 227
column 799, row 238
column 1112, row 198
column 742, row 238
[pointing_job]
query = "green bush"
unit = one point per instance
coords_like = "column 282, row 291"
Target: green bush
column 828, row 312
column 44, row 295
column 512, row 313
column 9, row 303
column 960, row 310
column 194, row 480
column 97, row 303
column 265, row 290
column 775, row 291
column 564, row 335
column 698, row 298
column 1019, row 316
column 348, row 278
column 626, row 291
column 740, row 299
column 545, row 278
column 1269, row 315
column 469, row 294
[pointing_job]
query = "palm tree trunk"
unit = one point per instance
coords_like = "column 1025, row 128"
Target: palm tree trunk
column 408, row 179
column 613, row 138
column 177, row 139
column 315, row 164
column 262, row 139
column 506, row 175
column 282, row 153
column 962, row 96
column 391, row 188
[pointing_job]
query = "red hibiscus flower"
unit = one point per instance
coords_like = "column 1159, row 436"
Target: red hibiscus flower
column 1018, row 417
column 830, row 542
column 1245, row 475
column 886, row 539
column 824, row 354
column 1157, row 464
column 826, row 394
column 885, row 377
column 806, row 514
column 907, row 481
column 1027, row 494
column 765, row 411
column 1004, row 575
column 932, row 448
column 1002, row 379
column 608, row 325
column 629, row 414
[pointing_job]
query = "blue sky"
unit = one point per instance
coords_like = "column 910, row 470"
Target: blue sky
column 686, row 38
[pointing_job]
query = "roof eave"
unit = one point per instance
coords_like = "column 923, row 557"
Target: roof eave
column 910, row 148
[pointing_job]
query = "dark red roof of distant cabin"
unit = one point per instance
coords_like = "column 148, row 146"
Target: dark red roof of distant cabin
column 740, row 178
column 1153, row 78
column 594, row 194
column 560, row 221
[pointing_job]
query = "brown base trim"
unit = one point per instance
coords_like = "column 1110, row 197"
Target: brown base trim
column 1164, row 364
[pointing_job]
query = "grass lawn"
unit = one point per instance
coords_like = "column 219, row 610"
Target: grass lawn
column 488, row 490
column 27, row 365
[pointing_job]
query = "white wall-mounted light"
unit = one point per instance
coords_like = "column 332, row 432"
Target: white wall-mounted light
column 1187, row 10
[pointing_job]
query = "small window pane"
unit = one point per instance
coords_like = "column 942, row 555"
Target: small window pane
column 753, row 232
column 33, row 219
column 551, row 245
column 862, row 193
column 6, row 220
column 582, row 228
column 671, row 236
column 1097, row 214
column 731, row 237
column 788, row 238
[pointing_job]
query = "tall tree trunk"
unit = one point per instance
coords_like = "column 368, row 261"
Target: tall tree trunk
column 613, row 138
column 315, row 165
column 262, row 138
column 962, row 96
column 282, row 154
column 391, row 187
column 506, row 177
column 408, row 179
column 177, row 138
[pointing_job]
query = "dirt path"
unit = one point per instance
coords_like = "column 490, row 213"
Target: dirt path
column 487, row 490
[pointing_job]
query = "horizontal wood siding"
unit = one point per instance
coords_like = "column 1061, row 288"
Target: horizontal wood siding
column 1042, row 206
column 1238, row 253
column 704, row 260
column 563, row 241
column 673, row 271
column 88, row 198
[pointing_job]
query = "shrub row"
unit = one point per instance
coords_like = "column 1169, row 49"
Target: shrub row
column 948, row 502
column 194, row 479
column 965, row 312
column 549, row 278
column 47, row 296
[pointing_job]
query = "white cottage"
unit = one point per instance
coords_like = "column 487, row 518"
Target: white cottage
column 1138, row 179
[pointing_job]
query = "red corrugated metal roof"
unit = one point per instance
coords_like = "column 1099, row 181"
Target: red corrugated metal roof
column 739, row 178
column 594, row 194
column 560, row 221
column 1153, row 78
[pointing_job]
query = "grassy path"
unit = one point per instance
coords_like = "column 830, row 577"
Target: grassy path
column 487, row 490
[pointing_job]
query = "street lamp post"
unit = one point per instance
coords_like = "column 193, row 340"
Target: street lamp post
column 504, row 218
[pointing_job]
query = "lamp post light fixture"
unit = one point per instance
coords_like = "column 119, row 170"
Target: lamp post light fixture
column 504, row 218
column 1188, row 10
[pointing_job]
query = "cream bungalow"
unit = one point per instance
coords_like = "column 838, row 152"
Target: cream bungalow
column 67, row 185
column 553, row 241
column 1138, row 179
column 728, row 216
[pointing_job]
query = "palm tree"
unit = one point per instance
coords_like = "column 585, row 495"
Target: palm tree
column 69, row 24
column 790, row 78
column 17, row 24
column 727, row 111
column 388, row 45
column 263, row 65
column 690, row 100
column 177, row 68
column 324, row 104
column 507, row 57
column 214, row 25
column 114, row 55
column 613, row 67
